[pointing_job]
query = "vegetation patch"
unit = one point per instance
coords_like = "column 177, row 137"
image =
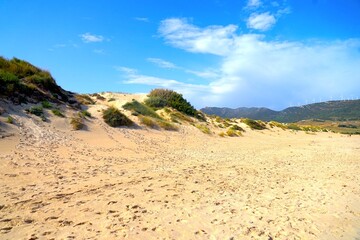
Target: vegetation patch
column 253, row 124
column 57, row 112
column 20, row 81
column 46, row 104
column 233, row 133
column 277, row 124
column 140, row 109
column 148, row 121
column 111, row 99
column 114, row 118
column 10, row 120
column 179, row 117
column 237, row 128
column 160, row 98
column 203, row 128
column 77, row 123
column 222, row 134
column 166, row 125
column 84, row 99
column 98, row 96
column 294, row 127
column 37, row 111
column 84, row 114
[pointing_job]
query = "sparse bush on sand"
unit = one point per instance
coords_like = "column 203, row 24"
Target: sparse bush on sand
column 231, row 132
column 237, row 128
column 57, row 112
column 253, row 124
column 293, row 127
column 140, row 109
column 114, row 118
column 84, row 99
column 84, row 114
column 222, row 134
column 277, row 124
column 77, row 123
column 37, row 111
column 160, row 98
column 203, row 128
column 167, row 126
column 148, row 121
column 46, row 104
column 10, row 120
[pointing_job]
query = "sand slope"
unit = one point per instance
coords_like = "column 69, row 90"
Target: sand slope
column 123, row 183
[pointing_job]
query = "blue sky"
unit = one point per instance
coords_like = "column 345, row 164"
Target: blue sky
column 216, row 52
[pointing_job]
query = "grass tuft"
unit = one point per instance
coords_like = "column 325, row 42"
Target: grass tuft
column 140, row 109
column 10, row 120
column 58, row 113
column 77, row 123
column 114, row 118
column 203, row 128
column 253, row 124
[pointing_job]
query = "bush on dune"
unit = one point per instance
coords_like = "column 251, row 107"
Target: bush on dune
column 257, row 125
column 139, row 108
column 160, row 98
column 114, row 118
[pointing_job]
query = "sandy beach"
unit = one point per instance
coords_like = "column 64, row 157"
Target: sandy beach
column 140, row 183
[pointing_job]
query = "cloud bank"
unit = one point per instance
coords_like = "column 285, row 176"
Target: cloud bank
column 254, row 71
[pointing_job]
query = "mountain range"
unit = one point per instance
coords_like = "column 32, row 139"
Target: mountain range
column 331, row 110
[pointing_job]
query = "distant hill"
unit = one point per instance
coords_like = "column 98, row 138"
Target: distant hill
column 331, row 110
column 22, row 82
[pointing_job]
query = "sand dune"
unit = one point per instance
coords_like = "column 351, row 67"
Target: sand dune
column 137, row 183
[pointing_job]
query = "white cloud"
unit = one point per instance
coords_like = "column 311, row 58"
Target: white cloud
column 207, row 74
column 90, row 38
column 129, row 71
column 254, row 3
column 213, row 39
column 262, row 21
column 133, row 77
column 256, row 72
column 161, row 63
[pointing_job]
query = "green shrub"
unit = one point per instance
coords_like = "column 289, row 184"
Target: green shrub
column 178, row 116
column 167, row 126
column 294, row 127
column 232, row 133
column 84, row 99
column 114, row 118
column 84, row 114
column 46, row 104
column 222, row 134
column 141, row 109
column 159, row 98
column 237, row 128
column 10, row 120
column 148, row 121
column 155, row 102
column 77, row 123
column 277, row 124
column 203, row 128
column 257, row 125
column 111, row 99
column 36, row 110
column 58, row 113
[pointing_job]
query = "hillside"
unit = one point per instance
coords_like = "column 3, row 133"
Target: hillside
column 22, row 82
column 331, row 110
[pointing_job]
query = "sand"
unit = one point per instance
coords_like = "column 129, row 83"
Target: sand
column 137, row 183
